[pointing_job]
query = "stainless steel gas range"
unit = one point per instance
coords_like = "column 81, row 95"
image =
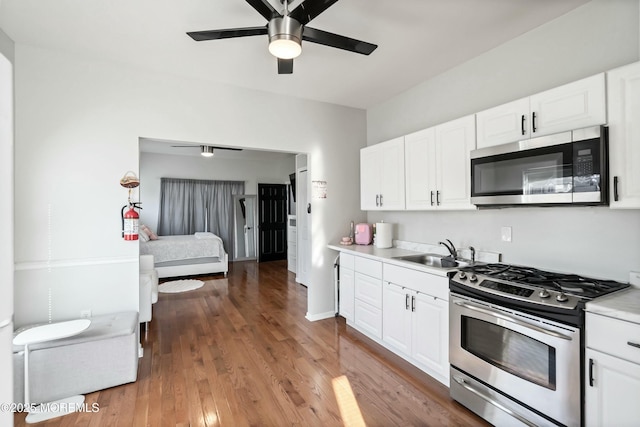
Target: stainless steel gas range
column 516, row 343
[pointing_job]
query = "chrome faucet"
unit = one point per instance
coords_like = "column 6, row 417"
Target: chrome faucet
column 450, row 248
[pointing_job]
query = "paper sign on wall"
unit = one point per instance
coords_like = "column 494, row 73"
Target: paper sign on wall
column 319, row 189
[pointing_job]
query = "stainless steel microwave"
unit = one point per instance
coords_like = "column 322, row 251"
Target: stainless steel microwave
column 569, row 168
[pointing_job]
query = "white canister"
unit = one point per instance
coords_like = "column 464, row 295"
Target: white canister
column 384, row 235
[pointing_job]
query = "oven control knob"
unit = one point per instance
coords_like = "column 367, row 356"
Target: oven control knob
column 473, row 278
column 544, row 294
column 562, row 297
column 462, row 275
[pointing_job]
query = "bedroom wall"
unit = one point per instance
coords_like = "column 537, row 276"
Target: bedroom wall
column 78, row 123
column 596, row 37
column 271, row 168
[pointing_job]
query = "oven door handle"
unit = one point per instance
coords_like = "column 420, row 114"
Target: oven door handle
column 512, row 320
column 493, row 402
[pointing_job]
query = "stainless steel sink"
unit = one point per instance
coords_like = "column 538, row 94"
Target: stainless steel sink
column 432, row 260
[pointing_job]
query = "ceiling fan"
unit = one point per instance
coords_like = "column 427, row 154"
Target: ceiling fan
column 207, row 150
column 287, row 30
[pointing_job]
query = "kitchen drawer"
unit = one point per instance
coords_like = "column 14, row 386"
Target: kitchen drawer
column 369, row 267
column 613, row 336
column 368, row 319
column 368, row 289
column 425, row 283
column 292, row 234
column 347, row 261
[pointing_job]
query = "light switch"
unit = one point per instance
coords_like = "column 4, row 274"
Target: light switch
column 506, row 234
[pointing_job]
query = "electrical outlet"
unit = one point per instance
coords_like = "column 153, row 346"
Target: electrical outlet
column 85, row 314
column 506, row 234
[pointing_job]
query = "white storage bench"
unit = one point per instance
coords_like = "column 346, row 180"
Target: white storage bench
column 104, row 355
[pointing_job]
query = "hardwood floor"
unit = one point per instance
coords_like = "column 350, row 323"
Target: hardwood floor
column 239, row 352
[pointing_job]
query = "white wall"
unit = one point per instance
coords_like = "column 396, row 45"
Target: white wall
column 598, row 36
column 153, row 166
column 77, row 131
column 6, row 222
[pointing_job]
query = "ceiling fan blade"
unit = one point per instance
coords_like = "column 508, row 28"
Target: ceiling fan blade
column 337, row 41
column 227, row 33
column 264, row 8
column 212, row 146
column 309, row 9
column 285, row 66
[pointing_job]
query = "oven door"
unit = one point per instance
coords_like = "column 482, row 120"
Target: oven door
column 532, row 360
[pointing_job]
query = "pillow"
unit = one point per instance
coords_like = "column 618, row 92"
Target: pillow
column 143, row 234
column 151, row 234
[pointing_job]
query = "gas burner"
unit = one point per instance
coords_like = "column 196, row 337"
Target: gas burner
column 571, row 284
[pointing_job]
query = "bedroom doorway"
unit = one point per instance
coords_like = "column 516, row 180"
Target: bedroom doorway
column 272, row 222
column 244, row 233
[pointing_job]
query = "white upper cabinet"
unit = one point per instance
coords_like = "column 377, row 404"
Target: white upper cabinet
column 503, row 124
column 438, row 166
column 624, row 136
column 382, row 176
column 573, row 106
column 420, row 169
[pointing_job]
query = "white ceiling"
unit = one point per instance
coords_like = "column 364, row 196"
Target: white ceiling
column 417, row 40
column 181, row 148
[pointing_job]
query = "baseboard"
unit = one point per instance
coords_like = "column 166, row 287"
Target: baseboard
column 320, row 316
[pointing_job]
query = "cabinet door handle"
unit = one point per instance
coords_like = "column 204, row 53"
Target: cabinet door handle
column 381, row 200
column 377, row 200
column 590, row 372
column 533, row 121
column 413, row 303
column 522, row 124
column 633, row 344
column 438, row 197
column 615, row 188
column 406, row 301
column 432, row 198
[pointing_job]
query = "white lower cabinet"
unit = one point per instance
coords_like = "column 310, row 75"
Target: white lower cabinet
column 397, row 317
column 405, row 310
column 430, row 335
column 366, row 297
column 613, row 396
column 415, row 321
column 612, row 372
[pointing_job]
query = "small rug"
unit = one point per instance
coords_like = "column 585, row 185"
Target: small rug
column 180, row 286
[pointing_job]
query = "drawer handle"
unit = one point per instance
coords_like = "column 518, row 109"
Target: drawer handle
column 633, row 344
column 590, row 372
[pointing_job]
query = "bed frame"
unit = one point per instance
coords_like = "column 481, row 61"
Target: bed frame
column 191, row 267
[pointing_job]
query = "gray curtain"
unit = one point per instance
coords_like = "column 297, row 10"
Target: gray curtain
column 191, row 205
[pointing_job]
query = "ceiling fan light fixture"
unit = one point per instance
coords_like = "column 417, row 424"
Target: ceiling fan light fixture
column 285, row 37
column 206, row 151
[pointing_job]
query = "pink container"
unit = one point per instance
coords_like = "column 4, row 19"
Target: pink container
column 364, row 234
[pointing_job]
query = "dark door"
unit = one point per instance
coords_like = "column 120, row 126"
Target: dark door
column 272, row 222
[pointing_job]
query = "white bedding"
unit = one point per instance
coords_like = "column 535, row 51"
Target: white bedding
column 176, row 248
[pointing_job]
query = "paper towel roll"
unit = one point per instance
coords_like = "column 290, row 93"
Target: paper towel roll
column 384, row 235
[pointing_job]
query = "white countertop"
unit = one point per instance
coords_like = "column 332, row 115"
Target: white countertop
column 624, row 305
column 388, row 255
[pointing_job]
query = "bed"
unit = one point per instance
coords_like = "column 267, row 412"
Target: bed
column 186, row 255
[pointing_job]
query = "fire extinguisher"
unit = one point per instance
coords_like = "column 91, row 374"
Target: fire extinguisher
column 130, row 221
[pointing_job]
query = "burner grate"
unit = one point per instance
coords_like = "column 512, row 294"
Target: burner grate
column 572, row 284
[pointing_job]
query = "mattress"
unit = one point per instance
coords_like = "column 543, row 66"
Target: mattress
column 177, row 248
